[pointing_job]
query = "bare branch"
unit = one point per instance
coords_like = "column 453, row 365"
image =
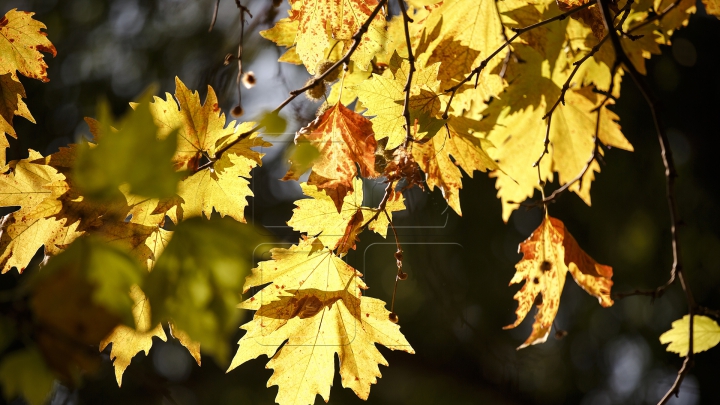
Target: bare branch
column 411, row 59
column 670, row 176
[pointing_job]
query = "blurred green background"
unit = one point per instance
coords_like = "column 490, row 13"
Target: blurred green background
column 456, row 300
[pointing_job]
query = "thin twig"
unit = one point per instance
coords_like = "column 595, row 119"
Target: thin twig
column 243, row 10
column 508, row 55
column 411, row 59
column 214, row 16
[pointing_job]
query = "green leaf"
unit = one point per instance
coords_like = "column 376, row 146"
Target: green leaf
column 273, row 123
column 24, row 373
column 89, row 270
column 132, row 155
column 197, row 281
column 706, row 335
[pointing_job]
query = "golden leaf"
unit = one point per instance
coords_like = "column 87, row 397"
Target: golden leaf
column 548, row 254
column 706, row 335
column 314, row 26
column 327, row 316
column 344, row 138
column 127, row 341
column 384, row 98
column 318, row 217
column 712, row 7
column 11, row 94
column 192, row 346
column 442, row 156
column 21, row 41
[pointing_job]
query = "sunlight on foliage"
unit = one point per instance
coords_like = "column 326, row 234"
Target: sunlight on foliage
column 706, row 335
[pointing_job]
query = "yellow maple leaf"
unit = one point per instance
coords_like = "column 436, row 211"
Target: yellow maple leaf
column 706, row 335
column 676, row 18
column 224, row 188
column 192, row 346
column 127, row 341
column 314, row 26
column 24, row 185
column 11, row 94
column 442, row 156
column 21, row 43
column 202, row 132
column 318, row 217
column 384, row 98
column 26, row 230
column 461, row 34
column 520, row 130
column 200, row 126
column 344, row 139
column 548, row 254
column 712, row 7
column 328, row 316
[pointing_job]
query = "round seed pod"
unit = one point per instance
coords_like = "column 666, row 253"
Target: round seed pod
column 249, row 80
column 237, row 111
column 323, row 67
column 394, row 318
column 316, row 92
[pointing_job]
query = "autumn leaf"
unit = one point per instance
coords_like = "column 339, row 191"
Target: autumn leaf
column 314, row 26
column 548, row 254
column 459, row 35
column 24, row 184
column 591, row 16
column 318, row 217
column 302, row 329
column 24, row 231
column 199, row 126
column 192, row 346
column 21, row 41
column 444, row 154
column 196, row 282
column 127, row 341
column 384, row 98
column 343, row 138
column 202, row 132
column 82, row 294
column 519, row 131
column 712, row 7
column 25, row 373
column 706, row 335
column 11, row 104
column 129, row 155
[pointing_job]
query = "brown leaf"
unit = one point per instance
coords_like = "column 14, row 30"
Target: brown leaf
column 548, row 254
column 344, row 138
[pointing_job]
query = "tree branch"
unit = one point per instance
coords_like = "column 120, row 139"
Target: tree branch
column 411, row 59
column 670, row 176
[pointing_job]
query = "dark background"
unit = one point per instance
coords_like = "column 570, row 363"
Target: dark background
column 456, row 300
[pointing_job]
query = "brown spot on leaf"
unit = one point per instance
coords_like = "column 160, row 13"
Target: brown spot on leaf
column 546, row 266
column 3, row 21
